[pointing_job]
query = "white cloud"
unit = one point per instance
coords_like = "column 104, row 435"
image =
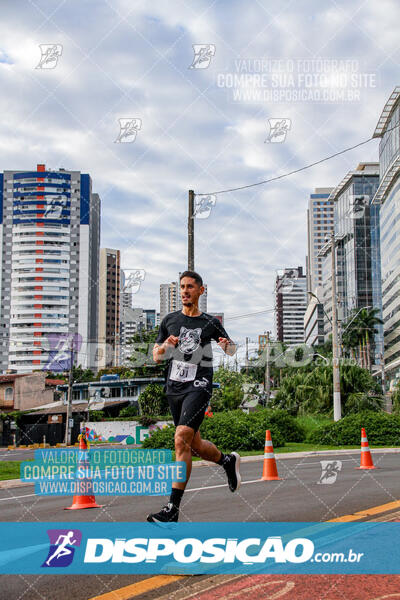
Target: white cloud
column 193, row 135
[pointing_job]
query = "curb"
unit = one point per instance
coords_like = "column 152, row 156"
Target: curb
column 10, row 483
column 288, row 455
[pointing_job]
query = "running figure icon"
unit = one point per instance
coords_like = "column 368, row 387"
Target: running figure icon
column 62, row 549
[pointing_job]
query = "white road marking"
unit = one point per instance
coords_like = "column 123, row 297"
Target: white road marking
column 16, row 497
column 318, row 462
column 211, row 487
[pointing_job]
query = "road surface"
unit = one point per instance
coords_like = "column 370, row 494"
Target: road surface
column 297, row 497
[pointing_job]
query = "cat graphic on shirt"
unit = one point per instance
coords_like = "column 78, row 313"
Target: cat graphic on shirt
column 189, row 339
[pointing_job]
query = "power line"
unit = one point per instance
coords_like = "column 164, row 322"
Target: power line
column 318, row 162
column 259, row 312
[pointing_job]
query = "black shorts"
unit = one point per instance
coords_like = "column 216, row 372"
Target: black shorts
column 189, row 408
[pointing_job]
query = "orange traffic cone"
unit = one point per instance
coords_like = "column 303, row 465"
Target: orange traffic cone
column 366, row 458
column 79, row 502
column 270, row 471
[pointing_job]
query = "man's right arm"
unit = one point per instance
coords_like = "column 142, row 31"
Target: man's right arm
column 160, row 350
column 163, row 342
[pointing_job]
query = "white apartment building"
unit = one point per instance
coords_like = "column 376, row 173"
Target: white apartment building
column 320, row 216
column 49, row 244
column 290, row 306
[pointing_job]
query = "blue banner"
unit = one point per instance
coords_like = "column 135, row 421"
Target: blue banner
column 196, row 548
column 102, row 472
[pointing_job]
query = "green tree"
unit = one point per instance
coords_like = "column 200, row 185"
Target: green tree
column 153, row 401
column 124, row 372
column 358, row 335
column 141, row 361
column 312, row 392
column 230, row 394
column 81, row 375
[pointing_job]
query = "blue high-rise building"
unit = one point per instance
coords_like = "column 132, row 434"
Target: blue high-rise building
column 50, row 239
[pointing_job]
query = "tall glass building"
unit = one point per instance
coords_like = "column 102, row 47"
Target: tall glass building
column 357, row 234
column 50, row 237
column 388, row 198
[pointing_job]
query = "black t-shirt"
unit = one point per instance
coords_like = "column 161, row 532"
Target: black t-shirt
column 190, row 363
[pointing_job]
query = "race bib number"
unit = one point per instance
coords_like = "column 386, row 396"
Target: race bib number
column 182, row 371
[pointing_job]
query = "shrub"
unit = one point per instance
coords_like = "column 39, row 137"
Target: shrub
column 129, row 411
column 146, row 421
column 288, row 426
column 381, row 428
column 161, row 438
column 228, row 430
column 96, row 415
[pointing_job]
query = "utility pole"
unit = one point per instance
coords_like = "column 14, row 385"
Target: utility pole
column 191, row 232
column 67, row 438
column 337, row 404
column 247, row 355
column 267, row 381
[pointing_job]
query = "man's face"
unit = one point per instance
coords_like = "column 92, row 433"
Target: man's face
column 190, row 291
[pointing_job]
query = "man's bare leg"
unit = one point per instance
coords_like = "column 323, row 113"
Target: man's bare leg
column 183, row 451
column 230, row 462
column 205, row 449
column 189, row 443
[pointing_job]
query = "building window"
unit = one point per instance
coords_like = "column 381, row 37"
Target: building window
column 131, row 391
column 8, row 394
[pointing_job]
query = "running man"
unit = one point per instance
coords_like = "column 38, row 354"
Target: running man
column 185, row 340
column 62, row 542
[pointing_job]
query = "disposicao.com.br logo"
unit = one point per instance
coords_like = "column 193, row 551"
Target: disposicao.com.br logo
column 192, row 550
column 137, row 547
column 62, row 547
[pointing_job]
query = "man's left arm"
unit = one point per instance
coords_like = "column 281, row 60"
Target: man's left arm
column 227, row 345
column 224, row 341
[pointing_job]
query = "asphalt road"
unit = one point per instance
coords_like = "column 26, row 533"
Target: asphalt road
column 297, row 497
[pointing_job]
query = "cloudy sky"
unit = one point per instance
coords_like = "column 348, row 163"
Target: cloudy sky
column 324, row 69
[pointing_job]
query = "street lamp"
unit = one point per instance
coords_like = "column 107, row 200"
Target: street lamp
column 322, row 304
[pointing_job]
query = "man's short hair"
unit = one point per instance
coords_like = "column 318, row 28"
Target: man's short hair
column 193, row 275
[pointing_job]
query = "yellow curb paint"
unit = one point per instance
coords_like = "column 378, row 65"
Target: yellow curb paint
column 135, row 589
column 375, row 510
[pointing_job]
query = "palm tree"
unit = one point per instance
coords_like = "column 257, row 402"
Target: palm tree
column 359, row 331
column 368, row 320
column 350, row 341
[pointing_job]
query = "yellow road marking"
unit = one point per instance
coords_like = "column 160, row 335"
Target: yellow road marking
column 158, row 581
column 135, row 589
column 375, row 510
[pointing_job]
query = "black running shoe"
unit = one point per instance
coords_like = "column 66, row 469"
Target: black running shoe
column 232, row 466
column 168, row 514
